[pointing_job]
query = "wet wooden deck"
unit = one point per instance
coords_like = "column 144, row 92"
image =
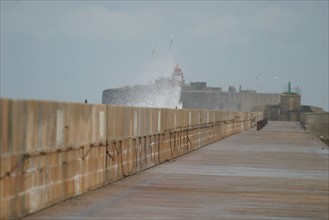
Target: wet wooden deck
column 279, row 172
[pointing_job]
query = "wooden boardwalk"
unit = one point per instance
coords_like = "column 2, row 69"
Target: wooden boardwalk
column 279, row 172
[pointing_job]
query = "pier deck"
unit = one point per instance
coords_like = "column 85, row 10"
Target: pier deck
column 277, row 172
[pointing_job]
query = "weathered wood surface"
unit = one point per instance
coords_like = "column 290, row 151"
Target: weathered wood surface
column 279, row 172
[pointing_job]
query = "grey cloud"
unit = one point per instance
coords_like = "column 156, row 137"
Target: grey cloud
column 103, row 24
column 92, row 23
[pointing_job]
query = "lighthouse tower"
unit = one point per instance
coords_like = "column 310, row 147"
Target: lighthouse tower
column 178, row 76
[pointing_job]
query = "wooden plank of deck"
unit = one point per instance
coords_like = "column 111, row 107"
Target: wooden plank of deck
column 279, row 172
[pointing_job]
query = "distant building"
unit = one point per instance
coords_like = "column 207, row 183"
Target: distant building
column 289, row 107
column 197, row 95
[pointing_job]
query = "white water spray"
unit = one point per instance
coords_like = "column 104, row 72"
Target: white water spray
column 161, row 90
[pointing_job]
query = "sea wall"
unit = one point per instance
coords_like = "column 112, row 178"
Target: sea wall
column 227, row 101
column 317, row 124
column 52, row 151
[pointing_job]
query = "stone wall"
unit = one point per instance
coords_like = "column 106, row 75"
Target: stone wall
column 228, row 101
column 52, row 151
column 317, row 124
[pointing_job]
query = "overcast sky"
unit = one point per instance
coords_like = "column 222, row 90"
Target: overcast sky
column 71, row 50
